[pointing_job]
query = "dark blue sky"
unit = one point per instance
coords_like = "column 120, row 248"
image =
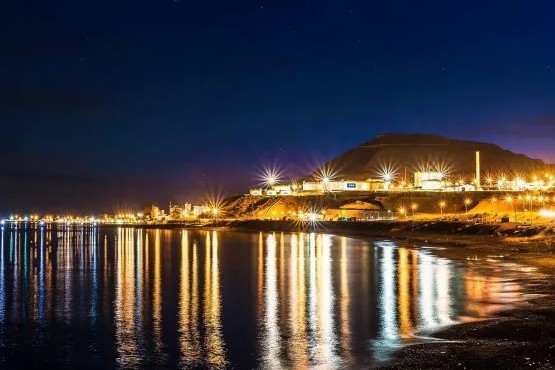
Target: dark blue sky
column 161, row 99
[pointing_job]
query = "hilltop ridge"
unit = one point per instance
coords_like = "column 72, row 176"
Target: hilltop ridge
column 408, row 152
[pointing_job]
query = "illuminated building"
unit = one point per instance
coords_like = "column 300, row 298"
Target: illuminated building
column 176, row 212
column 255, row 192
column 429, row 180
column 336, row 186
column 282, row 189
column 154, row 212
column 311, row 186
column 465, row 187
column 199, row 210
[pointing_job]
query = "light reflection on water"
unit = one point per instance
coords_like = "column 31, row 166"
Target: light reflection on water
column 133, row 298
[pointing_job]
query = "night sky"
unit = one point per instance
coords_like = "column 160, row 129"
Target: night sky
column 113, row 104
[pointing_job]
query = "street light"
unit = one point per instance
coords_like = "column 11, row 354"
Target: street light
column 489, row 180
column 325, row 182
column 509, row 199
column 270, row 176
column 442, row 205
column 413, row 207
column 467, row 202
column 529, row 200
column 387, row 173
column 402, row 211
column 325, row 174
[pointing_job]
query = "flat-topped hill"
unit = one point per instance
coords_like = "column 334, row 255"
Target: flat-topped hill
column 409, row 152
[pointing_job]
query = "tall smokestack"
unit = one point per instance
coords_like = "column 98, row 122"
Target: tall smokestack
column 478, row 185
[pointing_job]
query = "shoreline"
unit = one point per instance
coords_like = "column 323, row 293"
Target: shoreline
column 462, row 239
column 535, row 246
column 521, row 337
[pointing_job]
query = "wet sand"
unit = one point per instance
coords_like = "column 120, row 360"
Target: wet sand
column 518, row 338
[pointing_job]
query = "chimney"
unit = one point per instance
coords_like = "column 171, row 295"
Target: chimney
column 478, row 184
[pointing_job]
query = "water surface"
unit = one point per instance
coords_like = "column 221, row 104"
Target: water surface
column 84, row 297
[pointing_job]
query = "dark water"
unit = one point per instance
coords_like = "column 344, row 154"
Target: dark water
column 123, row 298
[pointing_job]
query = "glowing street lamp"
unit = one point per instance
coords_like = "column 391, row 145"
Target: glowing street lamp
column 489, row 181
column 509, row 199
column 442, row 205
column 467, row 202
column 529, row 200
column 387, row 173
column 413, row 208
column 325, row 183
column 325, row 175
column 402, row 211
column 269, row 176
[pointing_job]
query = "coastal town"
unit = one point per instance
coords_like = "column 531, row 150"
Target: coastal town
column 430, row 191
column 277, row 185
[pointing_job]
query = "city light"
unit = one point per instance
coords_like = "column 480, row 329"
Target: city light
column 215, row 206
column 467, row 202
column 413, row 207
column 325, row 174
column 442, row 204
column 439, row 166
column 443, row 167
column 387, row 173
column 270, row 176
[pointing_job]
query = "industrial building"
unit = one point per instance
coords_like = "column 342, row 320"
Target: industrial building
column 429, row 180
column 332, row 186
column 438, row 179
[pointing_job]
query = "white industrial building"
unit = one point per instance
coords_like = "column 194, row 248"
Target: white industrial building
column 312, row 186
column 465, row 187
column 429, row 180
column 275, row 190
column 283, row 189
column 356, row 186
column 334, row 186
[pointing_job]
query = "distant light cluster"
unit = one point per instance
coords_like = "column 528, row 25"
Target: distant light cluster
column 427, row 176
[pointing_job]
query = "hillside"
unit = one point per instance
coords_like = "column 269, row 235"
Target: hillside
column 362, row 205
column 283, row 207
column 402, row 152
column 406, row 152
